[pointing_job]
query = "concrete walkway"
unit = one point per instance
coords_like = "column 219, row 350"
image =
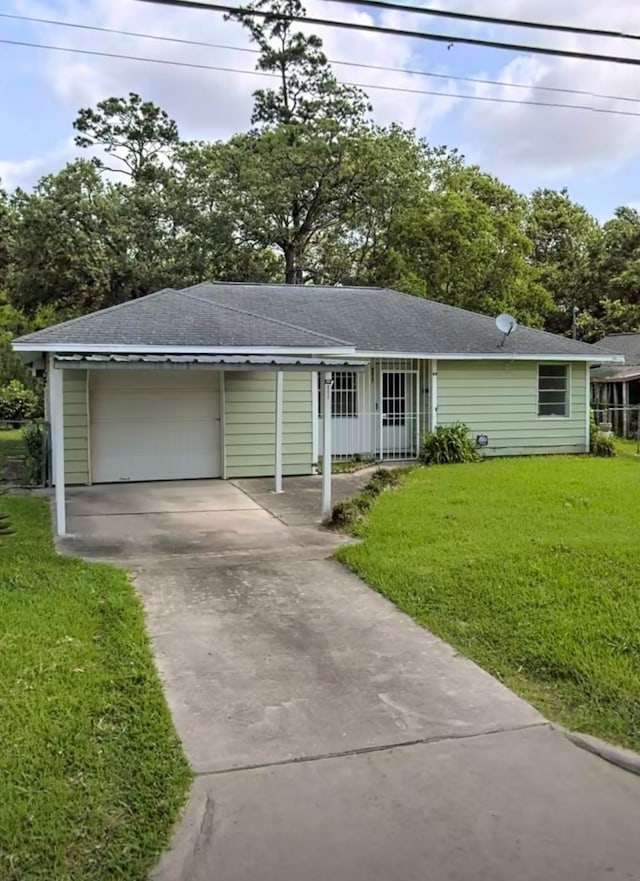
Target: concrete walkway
column 331, row 737
column 301, row 502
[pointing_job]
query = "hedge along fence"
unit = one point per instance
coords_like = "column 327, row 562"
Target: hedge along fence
column 24, row 453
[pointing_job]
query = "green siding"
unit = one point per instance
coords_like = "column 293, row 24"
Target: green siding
column 76, row 431
column 250, row 424
column 500, row 399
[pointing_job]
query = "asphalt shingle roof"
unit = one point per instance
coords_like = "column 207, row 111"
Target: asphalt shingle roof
column 627, row 344
column 178, row 318
column 219, row 314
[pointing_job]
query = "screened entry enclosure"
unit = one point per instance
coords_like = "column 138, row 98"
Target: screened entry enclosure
column 380, row 413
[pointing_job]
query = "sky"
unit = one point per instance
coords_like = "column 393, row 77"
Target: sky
column 596, row 156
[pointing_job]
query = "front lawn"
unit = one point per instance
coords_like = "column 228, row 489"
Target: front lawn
column 529, row 566
column 92, row 774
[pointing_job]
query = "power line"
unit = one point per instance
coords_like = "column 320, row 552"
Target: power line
column 380, row 67
column 489, row 19
column 398, row 32
column 435, row 93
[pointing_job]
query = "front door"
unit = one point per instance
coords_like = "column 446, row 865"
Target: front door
column 399, row 414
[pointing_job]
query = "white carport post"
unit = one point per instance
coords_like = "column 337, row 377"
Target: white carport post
column 326, row 445
column 56, row 404
column 279, row 429
column 433, row 396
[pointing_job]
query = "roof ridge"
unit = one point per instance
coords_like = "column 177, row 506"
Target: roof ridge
column 278, row 284
column 321, row 336
column 97, row 312
column 538, row 330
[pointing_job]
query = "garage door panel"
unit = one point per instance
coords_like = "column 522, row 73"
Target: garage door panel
column 154, row 425
column 166, row 408
column 196, row 436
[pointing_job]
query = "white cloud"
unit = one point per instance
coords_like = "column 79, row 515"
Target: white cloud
column 515, row 141
column 24, row 172
column 556, row 144
column 206, row 104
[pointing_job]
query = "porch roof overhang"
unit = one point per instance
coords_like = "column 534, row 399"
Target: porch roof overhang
column 210, row 362
column 616, row 374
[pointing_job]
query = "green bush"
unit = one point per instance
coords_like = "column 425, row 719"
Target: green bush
column 603, row 445
column 600, row 444
column 17, row 403
column 34, row 437
column 345, row 514
column 382, row 478
column 448, row 444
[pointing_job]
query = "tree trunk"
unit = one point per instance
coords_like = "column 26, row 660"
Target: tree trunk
column 293, row 273
column 290, row 264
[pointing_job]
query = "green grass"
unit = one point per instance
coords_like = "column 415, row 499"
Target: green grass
column 92, row 775
column 531, row 567
column 10, row 444
column 626, row 447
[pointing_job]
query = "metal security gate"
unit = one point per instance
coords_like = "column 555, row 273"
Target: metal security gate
column 399, row 414
column 378, row 414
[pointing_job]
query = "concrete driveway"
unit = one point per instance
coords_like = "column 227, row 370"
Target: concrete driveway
column 331, row 737
column 129, row 522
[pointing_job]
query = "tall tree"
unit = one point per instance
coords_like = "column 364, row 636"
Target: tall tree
column 609, row 316
column 205, row 244
column 461, row 241
column 308, row 91
column 7, row 223
column 67, row 241
column 14, row 322
column 138, row 134
column 400, row 170
column 565, row 241
column 619, row 263
column 292, row 177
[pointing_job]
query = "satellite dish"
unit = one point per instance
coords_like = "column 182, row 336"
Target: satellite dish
column 506, row 324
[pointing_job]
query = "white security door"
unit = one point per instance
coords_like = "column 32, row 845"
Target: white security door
column 154, row 425
column 399, row 414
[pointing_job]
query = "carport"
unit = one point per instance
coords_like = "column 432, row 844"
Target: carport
column 217, row 364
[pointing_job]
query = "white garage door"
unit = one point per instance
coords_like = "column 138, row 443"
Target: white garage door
column 154, row 425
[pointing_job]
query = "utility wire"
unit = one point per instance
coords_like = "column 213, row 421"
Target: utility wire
column 380, row 67
column 397, row 32
column 489, row 19
column 435, row 93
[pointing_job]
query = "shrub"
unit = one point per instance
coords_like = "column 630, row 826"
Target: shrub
column 34, row 437
column 448, row 444
column 600, row 444
column 603, row 446
column 345, row 514
column 17, row 402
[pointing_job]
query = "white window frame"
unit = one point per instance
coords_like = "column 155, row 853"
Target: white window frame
column 350, row 395
column 567, row 413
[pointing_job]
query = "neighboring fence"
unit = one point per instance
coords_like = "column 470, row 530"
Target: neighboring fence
column 25, row 453
column 624, row 421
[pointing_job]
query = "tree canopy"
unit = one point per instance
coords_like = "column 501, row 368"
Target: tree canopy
column 312, row 191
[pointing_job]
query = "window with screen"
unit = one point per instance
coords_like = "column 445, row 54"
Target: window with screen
column 553, row 390
column 344, row 395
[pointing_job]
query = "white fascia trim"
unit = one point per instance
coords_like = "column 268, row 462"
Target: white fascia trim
column 596, row 359
column 319, row 351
